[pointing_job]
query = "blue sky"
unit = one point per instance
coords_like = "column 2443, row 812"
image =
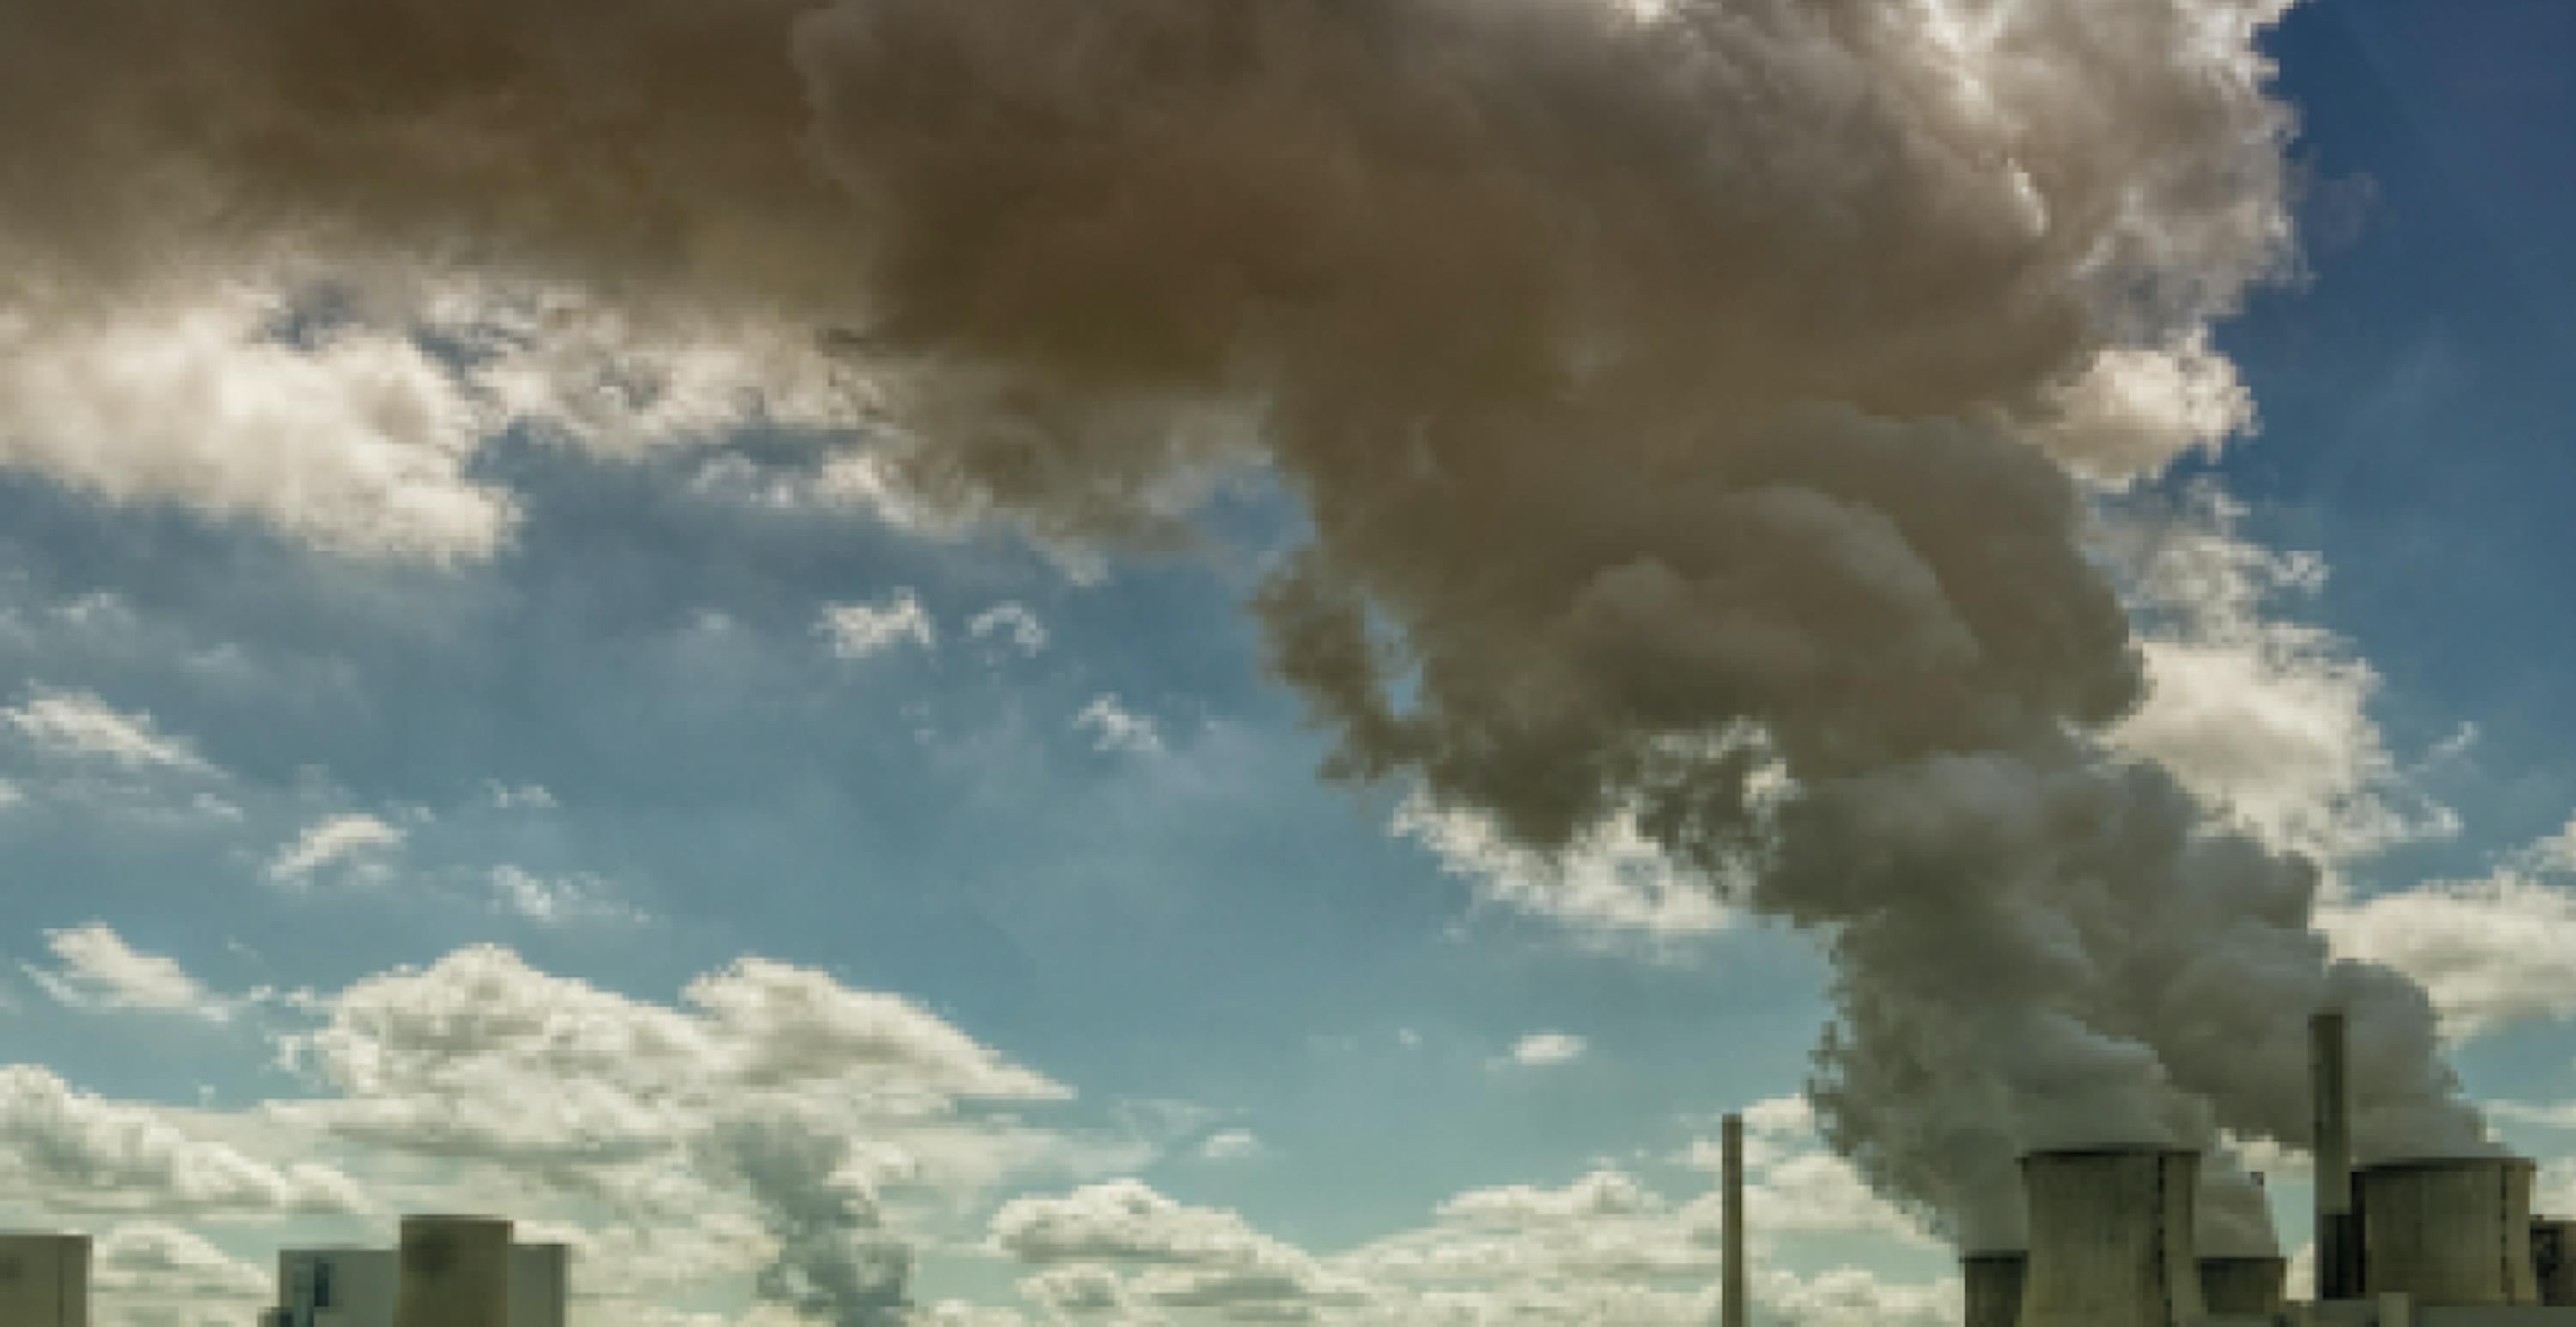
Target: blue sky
column 1027, row 838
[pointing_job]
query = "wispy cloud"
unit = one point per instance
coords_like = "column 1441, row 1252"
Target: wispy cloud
column 354, row 843
column 1114, row 727
column 96, row 969
column 862, row 630
column 79, row 725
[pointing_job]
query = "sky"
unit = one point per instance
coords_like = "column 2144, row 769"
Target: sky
column 827, row 891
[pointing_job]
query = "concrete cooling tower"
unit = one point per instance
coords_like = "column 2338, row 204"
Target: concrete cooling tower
column 455, row 1272
column 2449, row 1232
column 44, row 1280
column 2111, row 1238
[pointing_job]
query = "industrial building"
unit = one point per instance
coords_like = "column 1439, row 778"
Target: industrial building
column 450, row 1271
column 44, row 1280
column 2415, row 1242
column 455, row 1258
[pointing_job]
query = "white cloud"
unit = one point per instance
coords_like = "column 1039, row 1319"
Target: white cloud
column 356, row 844
column 1195, row 1258
column 1010, row 624
column 359, row 444
column 525, row 797
column 164, row 1263
column 2265, row 719
column 1547, row 1050
column 1114, row 727
column 1124, row 1221
column 80, row 725
column 559, row 900
column 1799, row 1186
column 10, row 795
column 857, row 631
column 65, row 1151
column 2491, row 952
column 2136, row 410
column 482, row 1057
column 1599, row 1194
column 1231, row 1145
column 1613, row 884
column 96, row 969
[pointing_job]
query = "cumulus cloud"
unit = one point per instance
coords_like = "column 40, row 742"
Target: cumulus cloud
column 353, row 845
column 66, row 1151
column 361, row 443
column 1547, row 1050
column 2491, row 951
column 1602, row 1252
column 96, row 969
column 861, row 630
column 1196, row 1258
column 2266, row 718
column 447, row 1060
column 79, row 725
column 1114, row 727
column 154, row 1261
column 1613, row 884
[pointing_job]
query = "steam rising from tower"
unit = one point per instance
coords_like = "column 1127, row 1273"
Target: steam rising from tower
column 1690, row 411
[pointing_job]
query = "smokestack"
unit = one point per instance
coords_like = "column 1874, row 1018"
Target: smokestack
column 2338, row 1228
column 455, row 1272
column 1733, row 1309
column 1994, row 1284
column 2251, row 1287
column 2450, row 1232
column 2111, row 1238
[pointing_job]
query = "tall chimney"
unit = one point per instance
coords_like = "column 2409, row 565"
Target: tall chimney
column 2338, row 1229
column 1732, row 1308
column 2111, row 1238
column 455, row 1272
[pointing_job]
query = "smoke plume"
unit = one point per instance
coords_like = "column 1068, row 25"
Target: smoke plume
column 836, row 1262
column 1693, row 404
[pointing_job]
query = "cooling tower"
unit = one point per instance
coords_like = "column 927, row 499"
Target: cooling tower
column 2338, row 1226
column 2246, row 1287
column 455, row 1272
column 44, row 1280
column 540, row 1284
column 1731, row 1295
column 2111, row 1239
column 2553, row 1261
column 1994, row 1287
column 2451, row 1233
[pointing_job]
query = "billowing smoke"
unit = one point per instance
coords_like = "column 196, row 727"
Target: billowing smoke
column 1693, row 405
column 837, row 1263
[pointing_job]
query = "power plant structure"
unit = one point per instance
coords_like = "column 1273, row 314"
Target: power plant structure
column 449, row 1271
column 44, row 1280
column 2413, row 1242
column 2405, row 1242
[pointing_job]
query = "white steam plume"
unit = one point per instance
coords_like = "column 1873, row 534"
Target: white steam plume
column 1689, row 406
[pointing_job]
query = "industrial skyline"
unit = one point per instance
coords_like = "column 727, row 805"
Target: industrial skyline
column 1004, row 663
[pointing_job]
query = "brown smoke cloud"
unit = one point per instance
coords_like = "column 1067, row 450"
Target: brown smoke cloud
column 1691, row 406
